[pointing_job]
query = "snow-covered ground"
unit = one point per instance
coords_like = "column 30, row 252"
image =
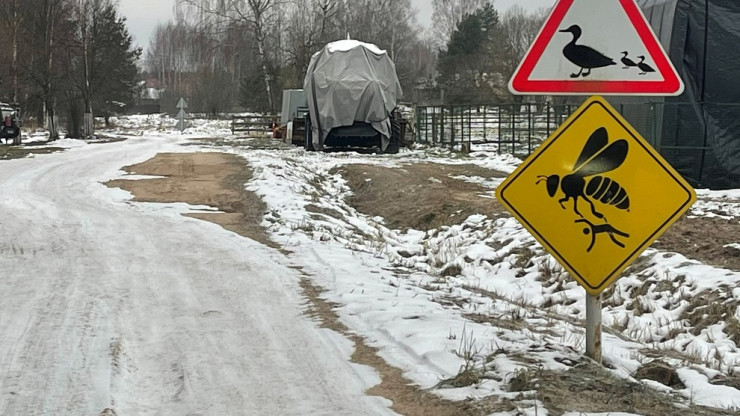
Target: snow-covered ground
column 112, row 305
column 120, row 300
column 391, row 290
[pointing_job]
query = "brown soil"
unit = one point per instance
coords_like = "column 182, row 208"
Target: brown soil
column 704, row 239
column 588, row 388
column 407, row 198
column 421, row 196
column 418, row 202
column 20, row 152
column 407, row 399
column 213, row 179
column 217, row 180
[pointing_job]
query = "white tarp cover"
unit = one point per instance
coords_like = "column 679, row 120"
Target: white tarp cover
column 350, row 81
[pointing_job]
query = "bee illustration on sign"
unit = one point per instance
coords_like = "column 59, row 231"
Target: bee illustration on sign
column 597, row 157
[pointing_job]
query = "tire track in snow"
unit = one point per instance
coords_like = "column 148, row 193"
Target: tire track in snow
column 134, row 309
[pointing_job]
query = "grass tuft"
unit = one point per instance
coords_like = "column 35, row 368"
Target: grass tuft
column 521, row 380
column 473, row 370
column 709, row 308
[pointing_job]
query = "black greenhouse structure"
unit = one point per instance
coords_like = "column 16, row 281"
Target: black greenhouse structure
column 698, row 132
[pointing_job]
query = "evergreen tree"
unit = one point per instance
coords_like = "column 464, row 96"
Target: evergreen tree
column 102, row 65
column 472, row 58
column 115, row 76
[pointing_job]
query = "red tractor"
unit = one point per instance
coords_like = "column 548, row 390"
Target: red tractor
column 10, row 118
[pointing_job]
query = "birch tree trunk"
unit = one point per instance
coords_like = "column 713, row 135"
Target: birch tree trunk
column 15, row 26
column 85, row 14
column 259, row 35
column 49, row 100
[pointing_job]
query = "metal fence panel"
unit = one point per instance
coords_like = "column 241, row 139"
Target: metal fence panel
column 512, row 128
column 677, row 130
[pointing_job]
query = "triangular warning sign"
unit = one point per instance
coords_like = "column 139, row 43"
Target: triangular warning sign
column 589, row 47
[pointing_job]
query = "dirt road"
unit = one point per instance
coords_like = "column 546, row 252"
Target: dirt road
column 110, row 307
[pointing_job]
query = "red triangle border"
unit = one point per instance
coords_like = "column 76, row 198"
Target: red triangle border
column 521, row 84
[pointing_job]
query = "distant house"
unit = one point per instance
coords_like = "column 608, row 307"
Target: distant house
column 149, row 101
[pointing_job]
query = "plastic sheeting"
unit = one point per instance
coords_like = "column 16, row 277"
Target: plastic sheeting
column 700, row 130
column 350, row 81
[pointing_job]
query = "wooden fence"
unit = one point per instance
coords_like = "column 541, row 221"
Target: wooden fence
column 254, row 124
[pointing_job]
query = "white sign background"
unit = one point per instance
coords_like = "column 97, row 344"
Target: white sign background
column 606, row 28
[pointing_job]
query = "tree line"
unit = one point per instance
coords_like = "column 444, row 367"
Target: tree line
column 225, row 53
column 68, row 58
column 71, row 60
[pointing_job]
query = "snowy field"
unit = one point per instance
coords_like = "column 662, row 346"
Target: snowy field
column 509, row 311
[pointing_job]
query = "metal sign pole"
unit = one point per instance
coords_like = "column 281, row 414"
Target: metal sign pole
column 593, row 327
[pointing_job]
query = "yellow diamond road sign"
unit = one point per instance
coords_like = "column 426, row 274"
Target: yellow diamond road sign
column 596, row 194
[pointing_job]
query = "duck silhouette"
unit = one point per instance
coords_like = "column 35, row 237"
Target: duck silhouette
column 627, row 61
column 645, row 68
column 585, row 57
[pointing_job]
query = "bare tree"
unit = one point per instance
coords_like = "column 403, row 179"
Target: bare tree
column 11, row 13
column 47, row 32
column 186, row 56
column 257, row 14
column 389, row 24
column 85, row 14
column 266, row 45
column 447, row 14
column 64, row 57
column 309, row 25
column 520, row 30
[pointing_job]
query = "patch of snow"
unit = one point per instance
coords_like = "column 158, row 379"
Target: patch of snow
column 700, row 391
column 348, row 44
column 723, row 204
column 600, row 414
column 372, row 296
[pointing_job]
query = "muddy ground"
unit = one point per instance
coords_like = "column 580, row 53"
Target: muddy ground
column 425, row 196
column 212, row 179
column 217, row 180
column 421, row 196
column 18, row 152
column 408, row 198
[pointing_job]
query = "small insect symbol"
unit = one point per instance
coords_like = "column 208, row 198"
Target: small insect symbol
column 596, row 158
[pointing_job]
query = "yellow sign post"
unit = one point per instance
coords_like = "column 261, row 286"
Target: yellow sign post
column 596, row 194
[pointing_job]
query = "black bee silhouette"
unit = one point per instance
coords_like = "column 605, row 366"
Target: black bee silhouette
column 596, row 158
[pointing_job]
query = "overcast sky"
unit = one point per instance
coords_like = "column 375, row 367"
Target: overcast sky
column 143, row 15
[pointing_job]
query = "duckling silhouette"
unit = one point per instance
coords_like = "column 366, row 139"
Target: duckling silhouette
column 584, row 57
column 627, row 61
column 645, row 68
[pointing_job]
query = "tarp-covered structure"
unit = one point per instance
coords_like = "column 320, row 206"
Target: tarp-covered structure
column 350, row 81
column 699, row 131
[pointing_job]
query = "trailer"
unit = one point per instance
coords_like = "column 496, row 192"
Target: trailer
column 293, row 117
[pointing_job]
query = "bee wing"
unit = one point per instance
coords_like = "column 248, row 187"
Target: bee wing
column 608, row 159
column 596, row 142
